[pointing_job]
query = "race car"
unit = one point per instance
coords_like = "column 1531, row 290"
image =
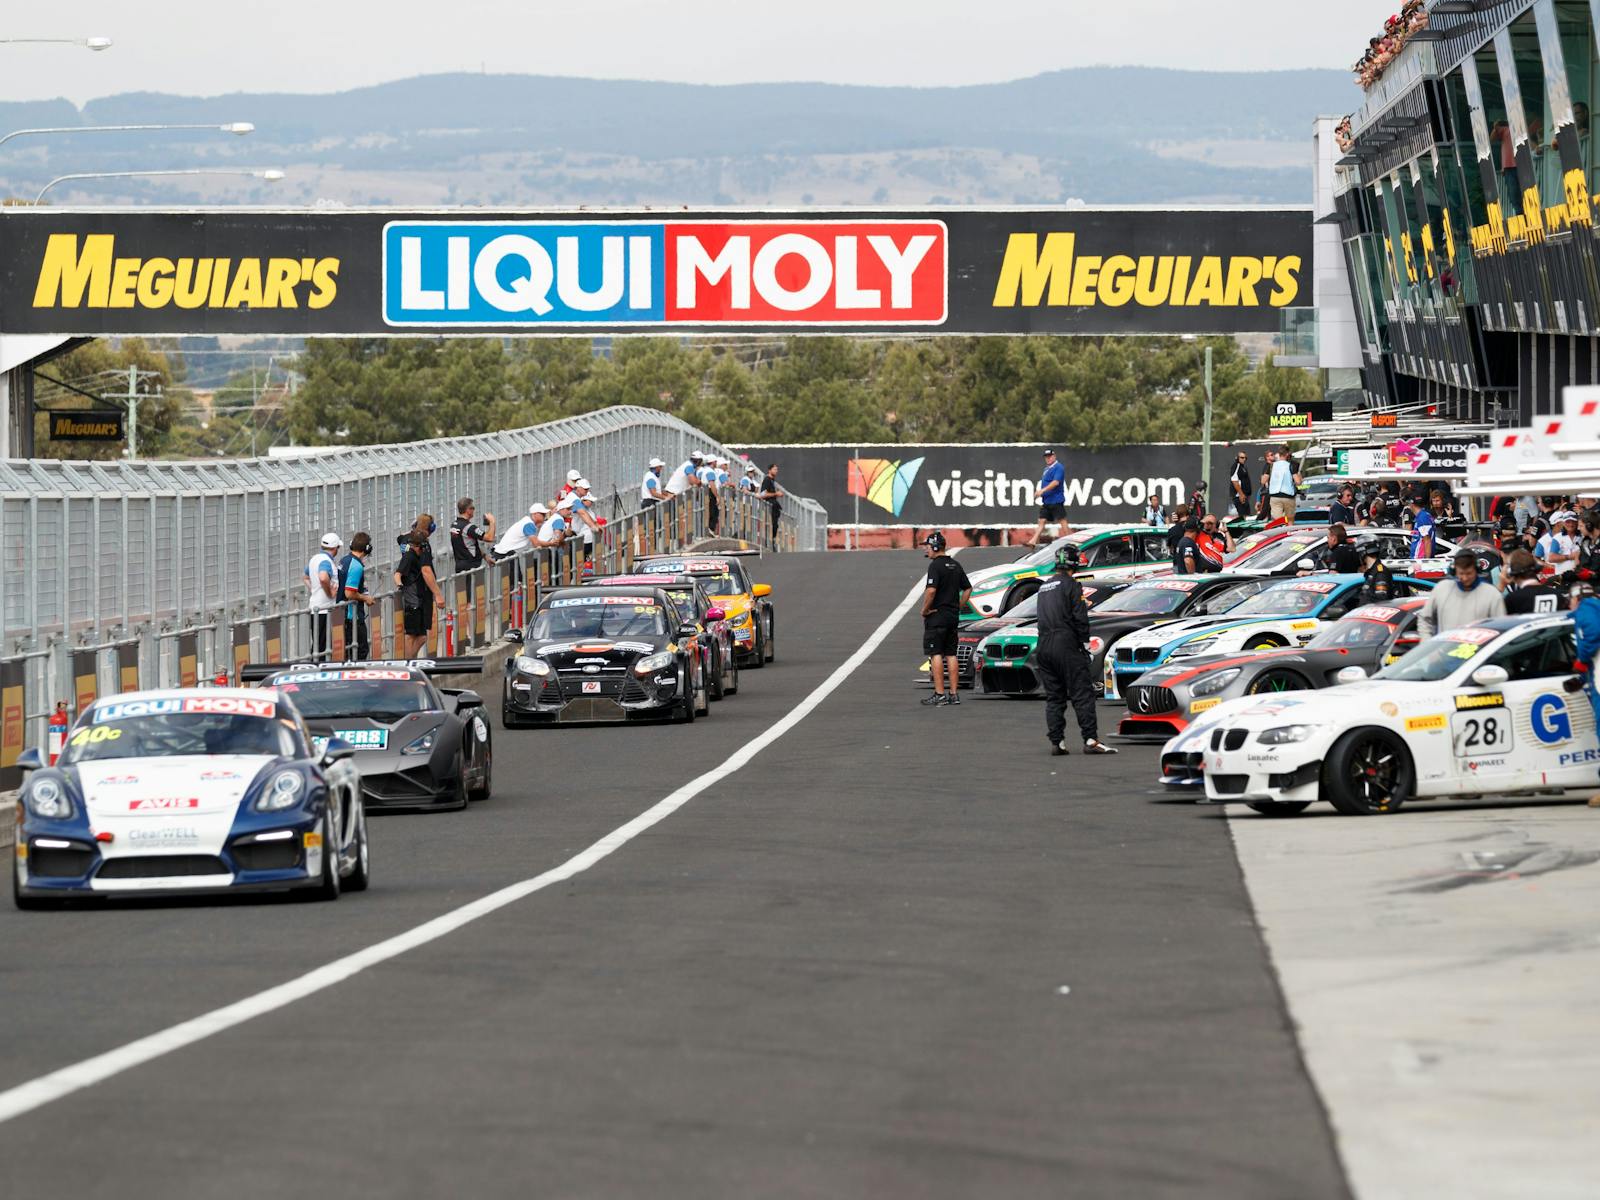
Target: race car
column 996, row 590
column 1165, row 700
column 418, row 746
column 177, row 792
column 746, row 604
column 714, row 636
column 604, row 654
column 1488, row 709
column 1290, row 612
column 1009, row 657
column 1023, row 613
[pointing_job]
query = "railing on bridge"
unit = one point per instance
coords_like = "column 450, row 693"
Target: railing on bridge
column 158, row 574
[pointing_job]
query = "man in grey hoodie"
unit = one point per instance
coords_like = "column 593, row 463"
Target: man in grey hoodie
column 1462, row 600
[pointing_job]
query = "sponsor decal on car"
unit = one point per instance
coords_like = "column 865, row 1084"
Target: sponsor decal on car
column 1429, row 723
column 1171, row 585
column 583, row 601
column 1575, row 757
column 1375, row 612
column 1389, row 708
column 163, row 803
column 1551, row 722
column 1481, row 700
column 363, row 675
column 165, row 835
column 1320, row 586
column 1472, row 635
column 1200, row 706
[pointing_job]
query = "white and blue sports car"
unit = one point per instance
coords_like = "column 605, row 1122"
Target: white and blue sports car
column 179, row 792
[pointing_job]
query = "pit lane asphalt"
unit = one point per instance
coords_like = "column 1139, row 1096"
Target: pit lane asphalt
column 840, row 972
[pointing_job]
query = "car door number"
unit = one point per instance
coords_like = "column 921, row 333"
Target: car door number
column 1486, row 731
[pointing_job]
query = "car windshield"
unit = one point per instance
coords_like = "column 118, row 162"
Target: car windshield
column 599, row 616
column 384, row 695
column 1163, row 597
column 1232, row 597
column 1440, row 657
column 1252, row 542
column 1352, row 632
column 1282, row 553
column 1287, row 599
column 718, row 578
column 684, row 598
column 170, row 734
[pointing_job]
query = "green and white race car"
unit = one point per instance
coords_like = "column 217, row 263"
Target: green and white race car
column 1102, row 548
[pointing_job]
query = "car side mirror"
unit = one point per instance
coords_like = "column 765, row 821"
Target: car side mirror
column 1307, row 564
column 761, row 589
column 716, row 614
column 514, row 635
column 1490, row 675
column 1351, row 675
column 467, row 699
column 30, row 759
column 335, row 750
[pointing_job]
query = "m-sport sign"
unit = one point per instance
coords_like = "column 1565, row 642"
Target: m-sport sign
column 981, row 485
column 958, row 271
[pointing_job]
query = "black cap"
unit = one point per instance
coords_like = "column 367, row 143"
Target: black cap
column 1048, row 453
column 934, row 539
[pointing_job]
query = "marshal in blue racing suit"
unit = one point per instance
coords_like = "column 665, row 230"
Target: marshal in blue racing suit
column 1587, row 619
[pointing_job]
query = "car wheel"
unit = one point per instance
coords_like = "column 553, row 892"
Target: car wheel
column 718, row 678
column 481, row 792
column 758, row 657
column 32, row 903
column 1368, row 772
column 1017, row 594
column 329, row 888
column 772, row 636
column 1288, row 809
column 1276, row 681
column 703, row 690
column 461, row 797
column 509, row 719
column 361, row 873
column 1264, row 643
column 731, row 687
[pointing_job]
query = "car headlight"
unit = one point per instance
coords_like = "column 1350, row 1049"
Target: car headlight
column 532, row 666
column 283, row 791
column 420, row 745
column 656, row 662
column 982, row 647
column 742, row 619
column 1284, row 734
column 1187, row 649
column 47, row 798
column 1214, row 683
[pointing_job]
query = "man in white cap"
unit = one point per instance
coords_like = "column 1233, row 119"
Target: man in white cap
column 650, row 493
column 686, row 476
column 708, row 480
column 583, row 516
column 554, row 531
column 322, row 581
column 522, row 534
column 752, row 478
column 572, row 480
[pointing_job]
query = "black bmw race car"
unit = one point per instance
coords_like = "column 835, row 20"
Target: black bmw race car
column 605, row 654
column 418, row 746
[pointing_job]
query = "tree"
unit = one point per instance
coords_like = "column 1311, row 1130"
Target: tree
column 101, row 368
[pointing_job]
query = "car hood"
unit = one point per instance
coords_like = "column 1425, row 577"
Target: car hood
column 1169, row 631
column 180, row 805
column 570, row 655
column 1332, row 709
column 374, row 739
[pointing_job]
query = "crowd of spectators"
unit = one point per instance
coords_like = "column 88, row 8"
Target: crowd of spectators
column 341, row 584
column 1382, row 50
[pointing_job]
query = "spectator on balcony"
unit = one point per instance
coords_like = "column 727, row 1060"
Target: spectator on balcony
column 418, row 590
column 322, row 582
column 467, row 538
column 650, row 491
column 773, row 495
column 686, row 476
column 353, row 587
column 584, row 518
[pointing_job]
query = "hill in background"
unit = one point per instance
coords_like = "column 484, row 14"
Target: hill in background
column 1102, row 135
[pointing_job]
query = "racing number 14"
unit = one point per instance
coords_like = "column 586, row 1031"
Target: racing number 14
column 1485, row 732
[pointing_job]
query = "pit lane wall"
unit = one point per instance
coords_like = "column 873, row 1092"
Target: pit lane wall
column 121, row 576
column 978, row 493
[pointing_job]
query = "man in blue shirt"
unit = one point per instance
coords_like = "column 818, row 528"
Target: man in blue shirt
column 353, row 587
column 1051, row 496
column 1282, row 481
column 1421, row 530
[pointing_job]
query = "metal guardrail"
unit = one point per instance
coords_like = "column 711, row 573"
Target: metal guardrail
column 121, row 575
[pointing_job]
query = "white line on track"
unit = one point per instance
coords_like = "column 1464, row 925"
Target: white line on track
column 35, row 1093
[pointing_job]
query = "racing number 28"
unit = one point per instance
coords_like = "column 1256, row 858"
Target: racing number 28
column 1482, row 733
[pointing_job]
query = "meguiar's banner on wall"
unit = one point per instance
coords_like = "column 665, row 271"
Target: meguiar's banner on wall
column 990, row 485
column 959, row 271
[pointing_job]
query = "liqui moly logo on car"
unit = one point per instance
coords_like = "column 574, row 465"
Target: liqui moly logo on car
column 576, row 273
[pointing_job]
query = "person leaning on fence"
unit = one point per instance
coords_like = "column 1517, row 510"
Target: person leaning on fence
column 773, row 495
column 650, row 491
column 322, row 584
column 430, row 597
column 750, row 481
column 584, row 520
column 686, row 476
column 468, row 538
column 353, row 587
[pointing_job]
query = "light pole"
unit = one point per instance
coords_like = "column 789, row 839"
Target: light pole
column 271, row 175
column 234, row 127
column 1205, row 436
column 88, row 43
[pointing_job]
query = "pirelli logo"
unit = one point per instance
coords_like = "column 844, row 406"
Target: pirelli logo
column 1481, row 700
column 1056, row 274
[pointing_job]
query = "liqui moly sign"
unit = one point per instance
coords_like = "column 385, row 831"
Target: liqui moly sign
column 641, row 273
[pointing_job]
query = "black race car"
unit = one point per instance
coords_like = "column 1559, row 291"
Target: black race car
column 418, row 746
column 605, row 654
column 715, row 637
column 1024, row 612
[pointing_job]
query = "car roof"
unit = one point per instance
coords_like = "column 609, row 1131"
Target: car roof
column 637, row 581
column 585, row 592
column 300, row 673
column 229, row 693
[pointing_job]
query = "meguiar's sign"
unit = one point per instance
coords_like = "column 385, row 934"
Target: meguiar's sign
column 958, row 271
column 90, row 426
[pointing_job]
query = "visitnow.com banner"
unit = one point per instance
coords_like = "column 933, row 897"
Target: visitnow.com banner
column 973, row 486
column 958, row 271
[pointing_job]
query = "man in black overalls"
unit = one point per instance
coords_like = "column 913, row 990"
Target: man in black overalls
column 1063, row 657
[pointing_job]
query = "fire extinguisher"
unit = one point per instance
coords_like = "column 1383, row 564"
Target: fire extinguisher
column 220, row 680
column 449, row 635
column 58, row 731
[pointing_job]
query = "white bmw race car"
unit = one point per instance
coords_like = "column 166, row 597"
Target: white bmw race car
column 1488, row 709
column 178, row 792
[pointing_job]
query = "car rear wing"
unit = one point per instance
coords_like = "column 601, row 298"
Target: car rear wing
column 460, row 665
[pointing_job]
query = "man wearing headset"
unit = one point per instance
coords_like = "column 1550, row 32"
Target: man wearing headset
column 1063, row 657
column 947, row 591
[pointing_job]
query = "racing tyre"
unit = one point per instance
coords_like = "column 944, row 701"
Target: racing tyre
column 361, row 874
column 772, row 636
column 703, row 691
column 731, row 687
column 1019, row 593
column 481, row 792
column 1264, row 643
column 330, row 887
column 1368, row 772
column 719, row 679
column 759, row 658
column 1290, row 809
column 1276, row 681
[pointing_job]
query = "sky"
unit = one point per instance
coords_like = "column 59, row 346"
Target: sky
column 214, row 47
